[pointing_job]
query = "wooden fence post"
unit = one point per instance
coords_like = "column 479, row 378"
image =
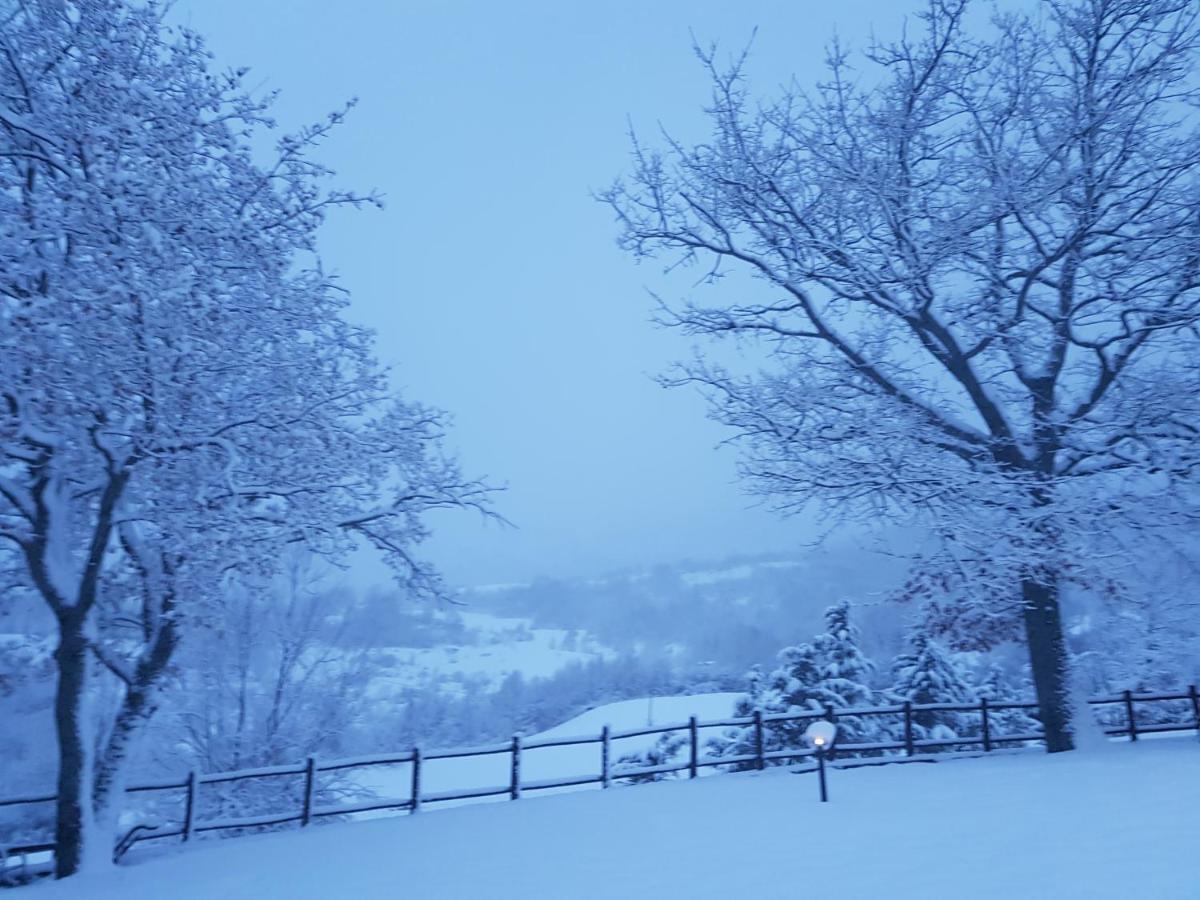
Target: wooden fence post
column 759, row 762
column 909, row 749
column 987, row 731
column 310, row 775
column 514, row 789
column 694, row 758
column 1195, row 698
column 416, row 781
column 189, row 806
column 1129, row 715
column 605, row 757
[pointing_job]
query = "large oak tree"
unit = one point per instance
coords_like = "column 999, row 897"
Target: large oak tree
column 981, row 254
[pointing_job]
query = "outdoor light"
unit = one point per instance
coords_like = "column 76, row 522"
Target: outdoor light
column 821, row 735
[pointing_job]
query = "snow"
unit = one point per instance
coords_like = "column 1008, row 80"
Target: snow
column 554, row 763
column 712, row 576
column 734, row 573
column 501, row 646
column 1113, row 825
column 628, row 715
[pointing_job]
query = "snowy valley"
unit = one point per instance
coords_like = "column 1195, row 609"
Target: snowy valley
column 666, row 449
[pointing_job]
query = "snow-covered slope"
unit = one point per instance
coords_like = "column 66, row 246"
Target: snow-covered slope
column 628, row 715
column 1116, row 824
column 553, row 763
column 498, row 646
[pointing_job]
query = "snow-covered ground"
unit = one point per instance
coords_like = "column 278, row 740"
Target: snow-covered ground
column 498, row 647
column 1119, row 823
column 628, row 715
column 554, row 763
column 734, row 573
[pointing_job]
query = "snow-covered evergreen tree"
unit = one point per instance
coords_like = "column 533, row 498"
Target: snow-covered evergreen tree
column 829, row 674
column 845, row 671
column 928, row 673
column 999, row 688
column 755, row 698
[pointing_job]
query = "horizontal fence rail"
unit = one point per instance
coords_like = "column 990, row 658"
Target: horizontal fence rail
column 907, row 744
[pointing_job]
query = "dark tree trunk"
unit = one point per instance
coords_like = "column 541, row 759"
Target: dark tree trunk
column 73, row 807
column 137, row 708
column 1048, row 659
column 108, row 787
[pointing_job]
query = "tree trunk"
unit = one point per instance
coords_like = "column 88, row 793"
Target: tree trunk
column 109, row 785
column 1048, row 659
column 137, row 708
column 75, row 825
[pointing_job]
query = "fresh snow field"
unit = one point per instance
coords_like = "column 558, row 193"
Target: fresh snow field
column 500, row 646
column 554, row 763
column 1117, row 823
column 628, row 715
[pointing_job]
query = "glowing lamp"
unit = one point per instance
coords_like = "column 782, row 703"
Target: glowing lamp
column 821, row 734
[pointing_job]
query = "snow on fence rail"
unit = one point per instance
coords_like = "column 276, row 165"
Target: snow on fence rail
column 311, row 769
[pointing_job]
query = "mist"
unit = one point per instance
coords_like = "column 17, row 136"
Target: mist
column 492, row 277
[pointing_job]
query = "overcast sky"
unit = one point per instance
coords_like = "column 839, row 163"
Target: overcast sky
column 492, row 277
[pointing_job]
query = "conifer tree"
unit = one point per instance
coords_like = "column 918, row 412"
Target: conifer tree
column 828, row 675
column 845, row 670
column 845, row 673
column 926, row 674
column 999, row 688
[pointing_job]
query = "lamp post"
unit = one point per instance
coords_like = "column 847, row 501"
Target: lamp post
column 821, row 734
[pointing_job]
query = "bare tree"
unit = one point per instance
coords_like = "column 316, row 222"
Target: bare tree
column 181, row 398
column 982, row 263
column 273, row 675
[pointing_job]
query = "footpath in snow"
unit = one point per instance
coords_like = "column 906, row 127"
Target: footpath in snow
column 1117, row 823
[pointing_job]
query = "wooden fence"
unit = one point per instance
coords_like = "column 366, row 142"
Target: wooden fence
column 307, row 811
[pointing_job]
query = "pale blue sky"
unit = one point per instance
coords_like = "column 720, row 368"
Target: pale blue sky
column 492, row 276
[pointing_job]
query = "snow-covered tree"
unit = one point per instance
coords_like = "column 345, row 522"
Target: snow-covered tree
column 26, row 676
column 831, row 673
column 266, row 679
column 181, row 398
column 928, row 673
column 845, row 670
column 664, row 751
column 270, row 678
column 1148, row 646
column 997, row 687
column 978, row 280
column 755, row 698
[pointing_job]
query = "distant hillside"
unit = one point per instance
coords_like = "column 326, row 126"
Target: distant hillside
column 727, row 614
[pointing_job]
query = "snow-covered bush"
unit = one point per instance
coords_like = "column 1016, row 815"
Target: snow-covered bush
column 665, row 751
